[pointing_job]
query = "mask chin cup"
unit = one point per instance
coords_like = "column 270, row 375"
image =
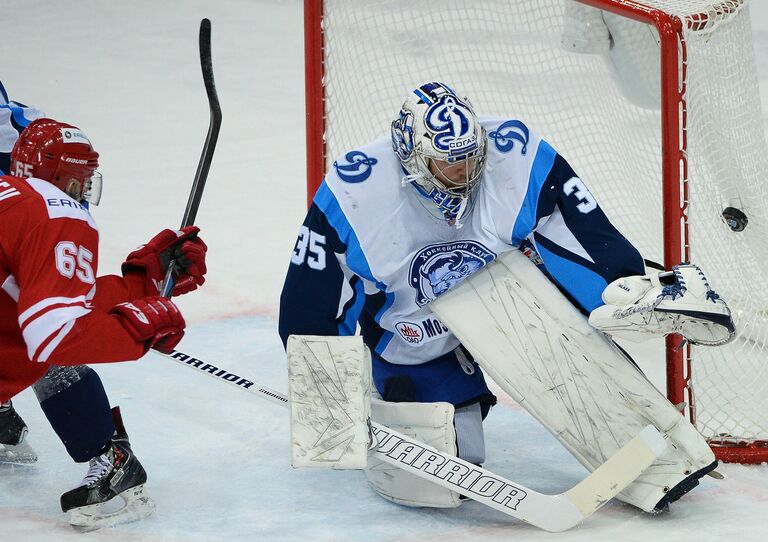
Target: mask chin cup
column 453, row 207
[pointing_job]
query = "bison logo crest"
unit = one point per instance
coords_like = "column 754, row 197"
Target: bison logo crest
column 437, row 268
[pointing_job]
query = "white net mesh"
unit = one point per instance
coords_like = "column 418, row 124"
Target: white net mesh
column 552, row 64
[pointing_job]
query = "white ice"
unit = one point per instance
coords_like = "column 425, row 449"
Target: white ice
column 218, row 459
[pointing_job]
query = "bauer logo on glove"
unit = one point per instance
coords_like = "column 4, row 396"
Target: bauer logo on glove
column 680, row 301
column 154, row 321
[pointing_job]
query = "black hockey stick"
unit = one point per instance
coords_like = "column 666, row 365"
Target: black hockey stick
column 196, row 193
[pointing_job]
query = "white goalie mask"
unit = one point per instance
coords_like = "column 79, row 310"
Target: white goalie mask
column 441, row 145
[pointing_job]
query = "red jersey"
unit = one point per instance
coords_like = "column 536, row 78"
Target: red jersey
column 53, row 309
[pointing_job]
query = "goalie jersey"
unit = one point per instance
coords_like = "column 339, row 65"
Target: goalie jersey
column 14, row 117
column 372, row 251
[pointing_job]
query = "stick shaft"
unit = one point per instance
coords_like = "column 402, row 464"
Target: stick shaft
column 214, row 125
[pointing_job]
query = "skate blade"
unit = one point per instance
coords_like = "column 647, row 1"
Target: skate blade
column 21, row 454
column 137, row 505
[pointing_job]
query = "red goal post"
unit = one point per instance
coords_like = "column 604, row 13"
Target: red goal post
column 363, row 56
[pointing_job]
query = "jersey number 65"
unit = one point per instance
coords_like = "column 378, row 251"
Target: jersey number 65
column 73, row 260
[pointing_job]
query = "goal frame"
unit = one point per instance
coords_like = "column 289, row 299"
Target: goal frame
column 674, row 141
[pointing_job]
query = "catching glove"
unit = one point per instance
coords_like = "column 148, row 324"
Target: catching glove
column 680, row 301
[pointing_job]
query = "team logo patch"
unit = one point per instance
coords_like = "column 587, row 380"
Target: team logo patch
column 357, row 169
column 437, row 268
column 452, row 125
column 507, row 133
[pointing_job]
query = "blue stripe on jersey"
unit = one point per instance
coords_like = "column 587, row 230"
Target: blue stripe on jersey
column 326, row 201
column 528, row 215
column 383, row 342
column 583, row 284
column 349, row 325
column 387, row 336
column 390, row 298
column 3, row 93
column 17, row 110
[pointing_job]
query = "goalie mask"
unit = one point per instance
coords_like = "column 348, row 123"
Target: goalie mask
column 441, row 145
column 60, row 154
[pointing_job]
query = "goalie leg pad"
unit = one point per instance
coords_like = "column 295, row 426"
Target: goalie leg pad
column 579, row 385
column 431, row 423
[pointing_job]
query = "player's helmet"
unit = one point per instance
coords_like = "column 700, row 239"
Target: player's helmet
column 442, row 146
column 60, row 154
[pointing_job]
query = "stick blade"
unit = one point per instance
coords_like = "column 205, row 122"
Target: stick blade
column 621, row 469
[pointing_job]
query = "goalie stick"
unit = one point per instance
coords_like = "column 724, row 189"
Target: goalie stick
column 214, row 125
column 549, row 512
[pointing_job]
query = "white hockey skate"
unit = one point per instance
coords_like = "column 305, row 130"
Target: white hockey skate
column 112, row 492
column 14, row 448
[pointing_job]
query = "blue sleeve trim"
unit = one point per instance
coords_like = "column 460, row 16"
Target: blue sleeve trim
column 349, row 325
column 3, row 93
column 526, row 219
column 356, row 260
column 17, row 110
column 387, row 304
column 584, row 285
column 383, row 342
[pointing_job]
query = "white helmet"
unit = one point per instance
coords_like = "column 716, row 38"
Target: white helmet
column 437, row 133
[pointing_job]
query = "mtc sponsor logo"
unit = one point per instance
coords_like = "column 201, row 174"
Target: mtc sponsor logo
column 416, row 333
column 410, row 332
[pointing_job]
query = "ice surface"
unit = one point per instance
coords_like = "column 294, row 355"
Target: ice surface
column 218, row 459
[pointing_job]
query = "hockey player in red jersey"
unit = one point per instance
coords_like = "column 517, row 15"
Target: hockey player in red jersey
column 56, row 313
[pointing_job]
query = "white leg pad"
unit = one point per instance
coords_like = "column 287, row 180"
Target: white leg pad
column 569, row 376
column 431, row 423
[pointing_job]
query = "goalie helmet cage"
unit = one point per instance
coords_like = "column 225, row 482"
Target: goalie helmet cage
column 656, row 105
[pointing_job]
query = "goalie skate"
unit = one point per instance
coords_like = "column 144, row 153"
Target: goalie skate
column 112, row 491
column 13, row 431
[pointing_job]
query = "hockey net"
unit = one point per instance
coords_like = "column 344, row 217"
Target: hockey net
column 654, row 103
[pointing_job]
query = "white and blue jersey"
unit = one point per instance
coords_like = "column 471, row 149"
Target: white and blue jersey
column 371, row 253
column 14, row 117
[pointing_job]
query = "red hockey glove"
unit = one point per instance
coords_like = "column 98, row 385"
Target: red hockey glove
column 155, row 321
column 186, row 250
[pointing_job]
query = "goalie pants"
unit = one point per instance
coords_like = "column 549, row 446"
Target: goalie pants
column 453, row 378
